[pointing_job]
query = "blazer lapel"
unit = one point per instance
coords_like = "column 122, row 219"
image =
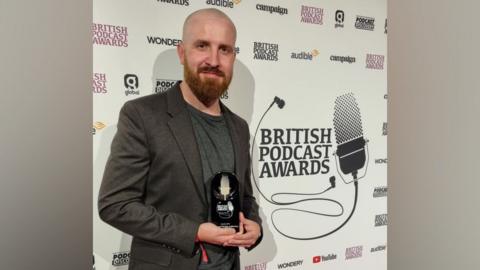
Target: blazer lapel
column 235, row 140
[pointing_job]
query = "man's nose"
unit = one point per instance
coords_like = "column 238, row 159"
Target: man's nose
column 213, row 58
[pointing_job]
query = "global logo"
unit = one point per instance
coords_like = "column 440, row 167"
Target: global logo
column 131, row 84
column 339, row 18
column 223, row 3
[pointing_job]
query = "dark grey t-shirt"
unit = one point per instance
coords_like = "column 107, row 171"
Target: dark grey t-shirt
column 216, row 153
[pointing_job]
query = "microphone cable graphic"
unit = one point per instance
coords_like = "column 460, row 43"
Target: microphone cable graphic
column 349, row 137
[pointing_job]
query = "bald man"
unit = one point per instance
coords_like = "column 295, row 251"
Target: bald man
column 166, row 150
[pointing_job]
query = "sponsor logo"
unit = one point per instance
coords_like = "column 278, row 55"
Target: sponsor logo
column 378, row 248
column 237, row 50
column 341, row 59
column 163, row 85
column 365, row 23
column 272, row 9
column 374, row 61
column 289, row 264
column 380, row 192
column 97, row 126
column 163, row 41
column 294, row 152
column 93, row 261
column 385, row 96
column 176, row 2
column 110, row 35
column 321, row 258
column 131, row 84
column 381, row 161
column 305, row 55
column 257, row 266
column 312, row 15
column 121, row 258
column 265, row 51
column 385, row 26
column 339, row 18
column 353, row 252
column 223, row 3
column 99, row 83
column 381, row 220
column 224, row 95
column 384, row 129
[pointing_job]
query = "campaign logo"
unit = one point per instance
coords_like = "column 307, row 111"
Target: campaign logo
column 305, row 55
column 381, row 220
column 265, row 51
column 321, row 258
column 163, row 41
column 378, row 248
column 365, row 23
column 380, row 192
column 384, row 129
column 99, row 83
column 385, row 26
column 176, row 2
column 223, row 3
column 110, row 35
column 272, row 9
column 257, row 266
column 381, row 161
column 353, row 252
column 131, row 84
column 294, row 152
column 97, row 126
column 374, row 61
column 121, row 258
column 341, row 59
column 290, row 264
column 339, row 18
column 311, row 15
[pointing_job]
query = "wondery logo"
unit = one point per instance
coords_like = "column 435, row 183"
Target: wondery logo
column 257, row 266
column 339, row 18
column 305, row 55
column 374, row 61
column 384, row 129
column 329, row 257
column 312, row 15
column 265, row 51
column 97, row 126
column 99, row 83
column 223, row 3
column 353, row 252
column 341, row 59
column 163, row 41
column 381, row 220
column 277, row 9
column 290, row 264
column 121, row 258
column 176, row 2
column 378, row 248
column 380, row 192
column 110, row 35
column 131, row 84
column 365, row 23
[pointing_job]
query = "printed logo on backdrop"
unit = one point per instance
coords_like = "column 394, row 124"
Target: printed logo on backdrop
column 322, row 258
column 176, row 2
column 384, row 129
column 265, row 51
column 365, row 23
column 121, row 258
column 378, row 248
column 374, row 61
column 381, row 161
column 272, row 9
column 353, row 252
column 223, row 3
column 99, row 83
column 342, row 59
column 380, row 192
column 339, row 18
column 312, row 15
column 97, row 126
column 110, row 35
column 385, row 27
column 163, row 85
column 305, row 55
column 385, row 96
column 290, row 264
column 163, row 41
column 131, row 84
column 257, row 266
column 381, row 220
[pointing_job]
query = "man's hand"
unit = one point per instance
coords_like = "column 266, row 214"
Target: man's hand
column 247, row 239
column 211, row 233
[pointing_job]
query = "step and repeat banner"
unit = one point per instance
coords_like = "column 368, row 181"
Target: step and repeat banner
column 310, row 78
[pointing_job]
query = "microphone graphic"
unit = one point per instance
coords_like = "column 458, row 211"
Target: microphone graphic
column 352, row 151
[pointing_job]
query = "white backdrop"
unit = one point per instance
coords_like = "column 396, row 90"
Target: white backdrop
column 134, row 55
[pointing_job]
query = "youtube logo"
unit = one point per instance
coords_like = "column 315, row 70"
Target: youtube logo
column 317, row 259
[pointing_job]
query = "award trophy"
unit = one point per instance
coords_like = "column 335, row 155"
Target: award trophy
column 225, row 201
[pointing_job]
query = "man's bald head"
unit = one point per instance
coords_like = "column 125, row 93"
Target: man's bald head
column 202, row 15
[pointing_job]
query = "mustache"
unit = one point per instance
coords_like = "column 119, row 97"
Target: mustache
column 214, row 70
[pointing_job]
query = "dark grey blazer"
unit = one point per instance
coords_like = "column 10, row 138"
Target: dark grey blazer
column 152, row 187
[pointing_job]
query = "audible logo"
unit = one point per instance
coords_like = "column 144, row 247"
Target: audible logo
column 305, row 55
column 97, row 126
column 223, row 3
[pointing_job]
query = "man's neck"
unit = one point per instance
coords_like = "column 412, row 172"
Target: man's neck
column 212, row 109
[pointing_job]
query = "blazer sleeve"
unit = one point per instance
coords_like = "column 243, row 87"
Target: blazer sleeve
column 121, row 197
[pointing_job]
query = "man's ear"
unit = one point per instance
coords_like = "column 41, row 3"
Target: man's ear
column 181, row 52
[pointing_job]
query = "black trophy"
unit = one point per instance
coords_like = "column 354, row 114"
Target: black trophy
column 225, row 202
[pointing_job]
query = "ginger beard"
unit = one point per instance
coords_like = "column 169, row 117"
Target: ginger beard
column 206, row 90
